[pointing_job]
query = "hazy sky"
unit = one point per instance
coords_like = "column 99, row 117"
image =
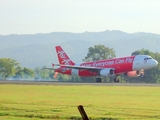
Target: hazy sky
column 45, row 16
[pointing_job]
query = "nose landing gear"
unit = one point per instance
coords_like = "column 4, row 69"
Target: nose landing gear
column 142, row 74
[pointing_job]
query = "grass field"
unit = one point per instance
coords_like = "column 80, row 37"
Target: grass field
column 35, row 102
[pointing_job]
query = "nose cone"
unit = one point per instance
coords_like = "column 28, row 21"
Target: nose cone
column 156, row 62
column 152, row 63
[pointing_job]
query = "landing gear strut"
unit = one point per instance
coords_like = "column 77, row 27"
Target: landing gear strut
column 98, row 79
column 142, row 74
column 116, row 80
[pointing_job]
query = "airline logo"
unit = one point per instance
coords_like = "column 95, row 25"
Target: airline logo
column 64, row 58
column 61, row 54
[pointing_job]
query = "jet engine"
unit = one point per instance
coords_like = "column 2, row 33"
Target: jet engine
column 133, row 73
column 106, row 72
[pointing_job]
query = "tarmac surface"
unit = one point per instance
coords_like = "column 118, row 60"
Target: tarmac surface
column 28, row 82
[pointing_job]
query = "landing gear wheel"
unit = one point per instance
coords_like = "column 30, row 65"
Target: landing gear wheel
column 98, row 80
column 116, row 80
column 143, row 76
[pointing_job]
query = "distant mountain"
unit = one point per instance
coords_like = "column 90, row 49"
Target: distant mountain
column 38, row 49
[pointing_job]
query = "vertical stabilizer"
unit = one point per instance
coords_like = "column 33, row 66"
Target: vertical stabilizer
column 63, row 57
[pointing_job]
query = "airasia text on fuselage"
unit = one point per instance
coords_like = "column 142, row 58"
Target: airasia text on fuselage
column 108, row 62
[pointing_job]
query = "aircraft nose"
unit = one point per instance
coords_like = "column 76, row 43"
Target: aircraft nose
column 156, row 62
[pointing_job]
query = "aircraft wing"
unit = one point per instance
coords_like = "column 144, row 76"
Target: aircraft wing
column 50, row 68
column 80, row 67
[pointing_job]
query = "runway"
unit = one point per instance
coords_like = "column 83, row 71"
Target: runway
column 27, row 82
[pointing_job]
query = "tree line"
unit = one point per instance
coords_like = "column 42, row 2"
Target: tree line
column 11, row 69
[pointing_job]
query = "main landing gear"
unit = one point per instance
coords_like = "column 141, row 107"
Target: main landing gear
column 98, row 79
column 116, row 79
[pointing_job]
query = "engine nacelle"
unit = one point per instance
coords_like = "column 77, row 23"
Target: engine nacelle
column 133, row 73
column 106, row 72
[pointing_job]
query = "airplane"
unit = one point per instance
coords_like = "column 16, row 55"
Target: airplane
column 132, row 66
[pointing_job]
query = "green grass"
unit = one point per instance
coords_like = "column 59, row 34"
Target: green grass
column 35, row 102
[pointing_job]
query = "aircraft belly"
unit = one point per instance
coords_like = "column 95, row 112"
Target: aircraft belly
column 75, row 72
column 87, row 73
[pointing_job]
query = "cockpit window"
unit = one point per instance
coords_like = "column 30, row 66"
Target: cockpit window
column 147, row 58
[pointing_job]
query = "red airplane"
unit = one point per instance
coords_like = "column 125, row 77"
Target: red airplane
column 132, row 66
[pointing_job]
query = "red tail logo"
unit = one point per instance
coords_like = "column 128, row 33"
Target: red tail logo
column 63, row 57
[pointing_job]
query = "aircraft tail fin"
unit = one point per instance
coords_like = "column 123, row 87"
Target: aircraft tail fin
column 63, row 57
